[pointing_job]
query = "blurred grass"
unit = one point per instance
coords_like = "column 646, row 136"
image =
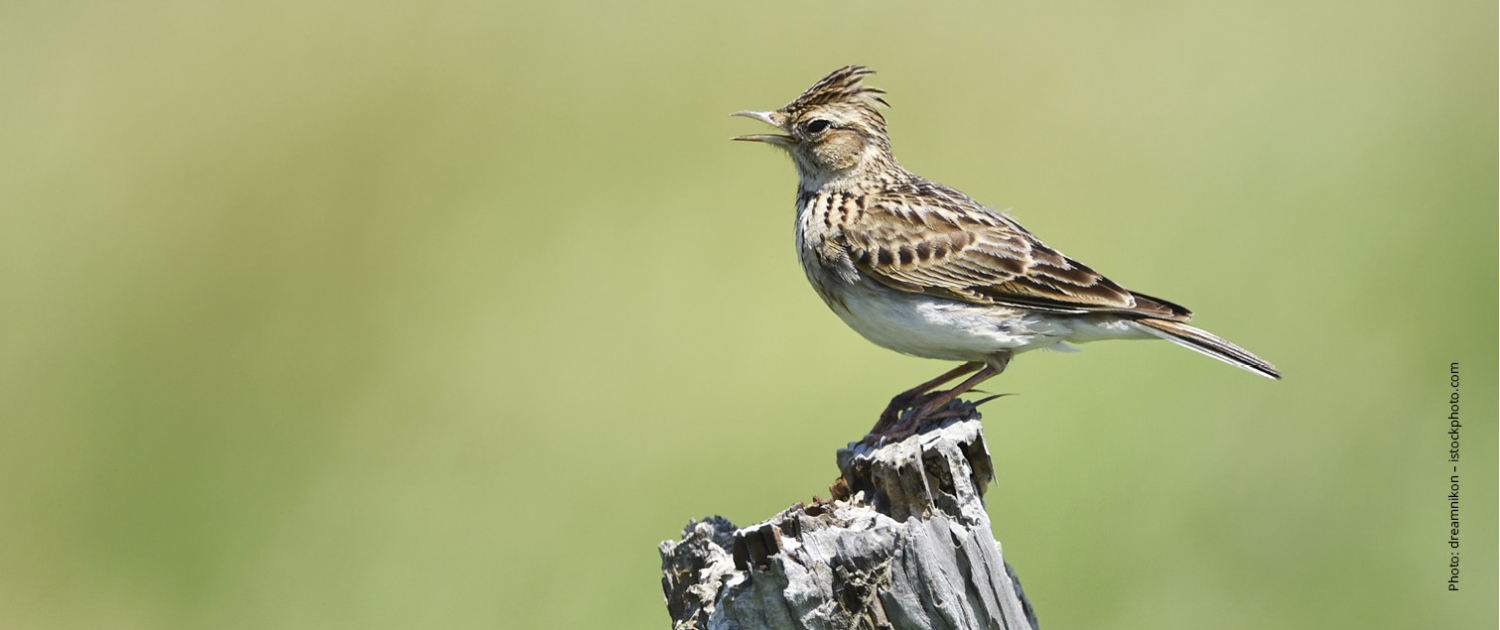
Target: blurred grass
column 444, row 314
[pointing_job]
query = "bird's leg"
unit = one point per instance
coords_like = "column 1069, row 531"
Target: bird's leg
column 912, row 396
column 931, row 404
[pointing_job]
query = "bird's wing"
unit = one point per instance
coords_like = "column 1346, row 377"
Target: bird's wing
column 939, row 242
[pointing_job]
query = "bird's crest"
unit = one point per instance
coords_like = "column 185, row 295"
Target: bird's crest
column 844, row 85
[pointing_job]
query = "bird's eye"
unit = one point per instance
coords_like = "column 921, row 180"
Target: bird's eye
column 817, row 126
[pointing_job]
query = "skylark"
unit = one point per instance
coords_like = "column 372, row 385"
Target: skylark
column 922, row 269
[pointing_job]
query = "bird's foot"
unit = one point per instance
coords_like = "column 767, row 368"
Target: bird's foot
column 901, row 404
column 918, row 395
column 896, row 415
column 920, row 412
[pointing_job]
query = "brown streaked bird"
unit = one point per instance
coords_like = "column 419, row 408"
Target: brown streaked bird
column 922, row 269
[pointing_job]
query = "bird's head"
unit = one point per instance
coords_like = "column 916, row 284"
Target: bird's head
column 833, row 129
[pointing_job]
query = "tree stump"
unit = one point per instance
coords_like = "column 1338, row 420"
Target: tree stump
column 904, row 543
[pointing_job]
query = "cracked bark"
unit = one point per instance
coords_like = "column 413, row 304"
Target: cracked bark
column 904, row 543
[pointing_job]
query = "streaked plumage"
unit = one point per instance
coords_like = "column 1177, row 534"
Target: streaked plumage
column 921, row 268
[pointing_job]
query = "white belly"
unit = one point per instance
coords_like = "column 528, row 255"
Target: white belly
column 935, row 328
column 938, row 328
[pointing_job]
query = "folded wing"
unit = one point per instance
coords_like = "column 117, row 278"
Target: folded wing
column 948, row 245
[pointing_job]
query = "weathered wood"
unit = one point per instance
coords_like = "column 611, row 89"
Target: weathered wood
column 904, row 543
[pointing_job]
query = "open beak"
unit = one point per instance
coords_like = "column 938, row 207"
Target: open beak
column 770, row 118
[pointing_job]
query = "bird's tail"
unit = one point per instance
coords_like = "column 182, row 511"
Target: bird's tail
column 1205, row 342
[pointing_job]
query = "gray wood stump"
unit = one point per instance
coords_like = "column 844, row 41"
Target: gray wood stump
column 904, row 543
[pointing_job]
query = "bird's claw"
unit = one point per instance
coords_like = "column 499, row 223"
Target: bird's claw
column 897, row 423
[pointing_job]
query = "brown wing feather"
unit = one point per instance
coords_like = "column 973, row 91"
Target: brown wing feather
column 935, row 240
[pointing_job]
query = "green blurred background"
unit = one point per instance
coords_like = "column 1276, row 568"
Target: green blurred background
column 444, row 314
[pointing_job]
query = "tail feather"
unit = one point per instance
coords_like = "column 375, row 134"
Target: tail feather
column 1202, row 341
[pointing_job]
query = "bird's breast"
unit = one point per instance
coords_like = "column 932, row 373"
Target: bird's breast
column 827, row 266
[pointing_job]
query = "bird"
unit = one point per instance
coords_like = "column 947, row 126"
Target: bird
column 923, row 269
